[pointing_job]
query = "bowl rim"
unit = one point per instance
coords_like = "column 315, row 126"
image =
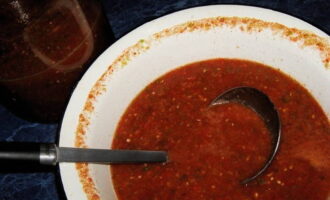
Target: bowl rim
column 100, row 65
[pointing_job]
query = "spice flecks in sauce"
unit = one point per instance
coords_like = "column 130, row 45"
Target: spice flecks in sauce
column 307, row 39
column 212, row 149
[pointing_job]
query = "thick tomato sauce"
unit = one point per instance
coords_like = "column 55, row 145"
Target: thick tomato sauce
column 212, row 149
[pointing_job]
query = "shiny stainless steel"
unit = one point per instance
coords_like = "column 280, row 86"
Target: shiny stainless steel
column 66, row 154
column 263, row 106
column 48, row 154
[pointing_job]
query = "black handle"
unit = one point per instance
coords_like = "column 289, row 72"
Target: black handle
column 17, row 151
column 22, row 152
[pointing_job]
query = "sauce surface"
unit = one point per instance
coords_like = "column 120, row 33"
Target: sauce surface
column 212, row 149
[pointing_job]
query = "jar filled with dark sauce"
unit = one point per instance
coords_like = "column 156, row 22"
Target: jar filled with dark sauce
column 45, row 47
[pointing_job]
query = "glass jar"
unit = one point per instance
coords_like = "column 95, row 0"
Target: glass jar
column 45, row 47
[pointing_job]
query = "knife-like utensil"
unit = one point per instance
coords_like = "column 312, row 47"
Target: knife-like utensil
column 50, row 154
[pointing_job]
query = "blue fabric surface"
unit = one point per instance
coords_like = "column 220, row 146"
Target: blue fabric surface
column 123, row 15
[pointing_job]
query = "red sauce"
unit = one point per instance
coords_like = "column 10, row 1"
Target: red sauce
column 212, row 149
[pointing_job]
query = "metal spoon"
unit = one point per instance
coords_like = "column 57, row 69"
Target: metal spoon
column 51, row 154
column 262, row 105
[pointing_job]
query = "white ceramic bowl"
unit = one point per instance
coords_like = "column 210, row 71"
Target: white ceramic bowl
column 125, row 68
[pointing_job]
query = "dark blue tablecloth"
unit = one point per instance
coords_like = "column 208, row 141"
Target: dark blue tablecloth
column 123, row 15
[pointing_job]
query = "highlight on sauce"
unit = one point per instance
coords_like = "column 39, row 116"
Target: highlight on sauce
column 212, row 149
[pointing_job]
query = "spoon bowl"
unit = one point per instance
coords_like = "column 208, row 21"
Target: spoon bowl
column 263, row 106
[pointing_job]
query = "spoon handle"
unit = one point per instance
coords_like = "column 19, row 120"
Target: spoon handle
column 50, row 154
